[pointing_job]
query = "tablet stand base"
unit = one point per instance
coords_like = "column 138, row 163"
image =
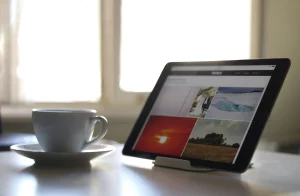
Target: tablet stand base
column 181, row 164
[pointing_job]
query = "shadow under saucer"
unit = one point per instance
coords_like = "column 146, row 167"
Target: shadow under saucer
column 63, row 165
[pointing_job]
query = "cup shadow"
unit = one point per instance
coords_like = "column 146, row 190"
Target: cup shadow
column 57, row 178
column 41, row 166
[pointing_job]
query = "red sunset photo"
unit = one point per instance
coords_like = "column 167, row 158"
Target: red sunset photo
column 165, row 135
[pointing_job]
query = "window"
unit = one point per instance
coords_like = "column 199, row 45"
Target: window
column 155, row 32
column 70, row 53
column 58, row 44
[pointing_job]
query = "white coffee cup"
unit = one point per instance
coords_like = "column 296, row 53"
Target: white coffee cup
column 66, row 130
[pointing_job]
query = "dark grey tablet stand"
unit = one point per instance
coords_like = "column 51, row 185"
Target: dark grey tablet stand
column 182, row 164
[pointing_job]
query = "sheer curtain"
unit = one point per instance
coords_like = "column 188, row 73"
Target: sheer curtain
column 9, row 22
column 3, row 49
column 51, row 51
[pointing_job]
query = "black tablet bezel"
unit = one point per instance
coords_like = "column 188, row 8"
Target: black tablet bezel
column 256, row 127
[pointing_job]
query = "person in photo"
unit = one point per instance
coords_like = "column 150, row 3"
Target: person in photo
column 199, row 107
column 202, row 102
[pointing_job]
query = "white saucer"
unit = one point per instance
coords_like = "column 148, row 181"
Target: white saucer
column 35, row 152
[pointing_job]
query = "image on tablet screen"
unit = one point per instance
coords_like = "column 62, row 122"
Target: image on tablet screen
column 202, row 102
column 234, row 103
column 165, row 135
column 215, row 140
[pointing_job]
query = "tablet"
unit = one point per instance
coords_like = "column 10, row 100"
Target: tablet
column 209, row 113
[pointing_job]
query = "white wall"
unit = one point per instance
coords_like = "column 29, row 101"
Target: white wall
column 281, row 38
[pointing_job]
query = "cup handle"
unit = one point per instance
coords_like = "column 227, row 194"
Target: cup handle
column 102, row 133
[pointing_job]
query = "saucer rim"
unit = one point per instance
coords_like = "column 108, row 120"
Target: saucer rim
column 16, row 148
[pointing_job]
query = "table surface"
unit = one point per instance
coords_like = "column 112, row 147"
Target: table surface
column 273, row 174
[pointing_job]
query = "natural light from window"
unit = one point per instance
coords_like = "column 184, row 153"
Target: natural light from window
column 59, row 53
column 155, row 32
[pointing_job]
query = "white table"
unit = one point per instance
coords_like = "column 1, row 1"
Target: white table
column 273, row 174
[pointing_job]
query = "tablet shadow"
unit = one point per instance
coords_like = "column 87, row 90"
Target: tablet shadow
column 206, row 183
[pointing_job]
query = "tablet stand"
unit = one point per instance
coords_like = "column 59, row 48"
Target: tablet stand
column 181, row 164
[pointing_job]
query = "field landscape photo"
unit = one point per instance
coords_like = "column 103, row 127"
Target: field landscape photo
column 215, row 140
column 234, row 103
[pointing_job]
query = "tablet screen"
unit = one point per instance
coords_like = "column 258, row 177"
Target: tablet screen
column 204, row 112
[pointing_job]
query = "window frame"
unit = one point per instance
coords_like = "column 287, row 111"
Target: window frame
column 111, row 39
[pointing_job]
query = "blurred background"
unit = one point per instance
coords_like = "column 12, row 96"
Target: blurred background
column 108, row 54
